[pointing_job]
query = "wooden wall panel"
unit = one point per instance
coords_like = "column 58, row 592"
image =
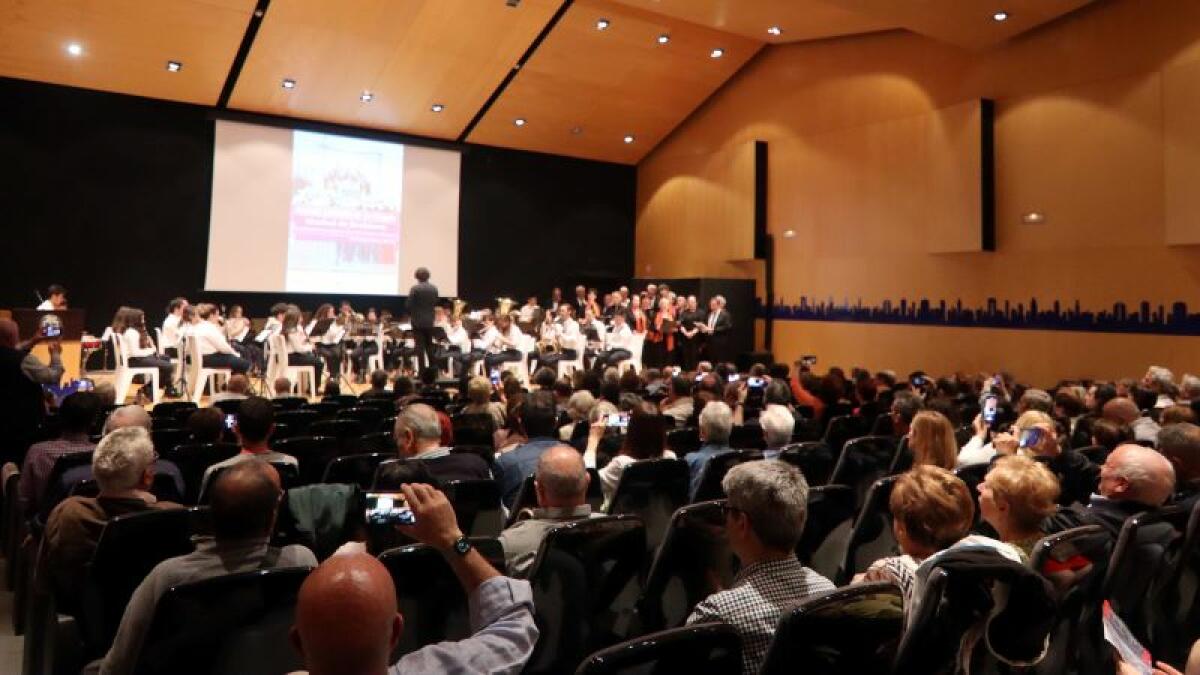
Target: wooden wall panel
column 1181, row 138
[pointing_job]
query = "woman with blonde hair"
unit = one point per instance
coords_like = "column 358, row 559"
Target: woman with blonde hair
column 1017, row 494
column 931, row 440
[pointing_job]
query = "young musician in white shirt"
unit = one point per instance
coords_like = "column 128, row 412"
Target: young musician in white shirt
column 329, row 342
column 129, row 326
column 215, row 350
column 56, row 299
column 567, row 336
column 458, row 343
column 170, row 327
column 487, row 343
column 617, row 342
column 506, row 343
column 299, row 349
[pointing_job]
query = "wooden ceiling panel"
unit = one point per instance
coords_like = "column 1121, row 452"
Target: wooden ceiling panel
column 967, row 23
column 585, row 89
column 409, row 54
column 125, row 44
column 798, row 19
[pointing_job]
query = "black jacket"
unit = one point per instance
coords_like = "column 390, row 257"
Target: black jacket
column 421, row 300
column 1107, row 513
column 21, row 406
column 1077, row 476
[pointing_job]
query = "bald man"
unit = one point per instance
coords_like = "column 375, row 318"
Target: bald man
column 128, row 416
column 561, row 483
column 245, row 501
column 347, row 623
column 1124, row 411
column 21, row 403
column 1133, row 479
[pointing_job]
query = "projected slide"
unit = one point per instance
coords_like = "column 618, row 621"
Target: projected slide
column 344, row 222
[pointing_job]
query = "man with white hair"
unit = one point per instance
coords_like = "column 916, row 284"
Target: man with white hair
column 765, row 512
column 1189, row 388
column 716, row 423
column 777, row 425
column 1133, row 479
column 418, row 436
column 128, row 416
column 716, row 328
column 123, row 466
column 561, row 484
column 1161, row 381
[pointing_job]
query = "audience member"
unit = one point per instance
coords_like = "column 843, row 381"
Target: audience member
column 131, row 415
column 75, row 418
column 579, row 406
column 418, row 435
column 561, row 485
column 479, row 401
column 206, row 425
column 1109, row 434
column 1017, row 494
column 1174, row 414
column 767, row 505
column 379, row 382
column 931, row 440
column 1035, row 435
column 283, row 387
column 22, row 406
column 123, row 465
column 1133, row 479
column 679, row 403
column 253, row 425
column 236, row 390
column 1180, row 444
column 716, row 423
column 538, row 418
column 905, row 406
column 1161, row 382
column 1035, row 399
column 777, row 425
column 1124, row 411
column 245, row 502
column 644, row 438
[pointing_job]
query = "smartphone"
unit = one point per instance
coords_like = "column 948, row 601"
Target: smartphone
column 755, row 382
column 1030, row 438
column 997, row 381
column 734, row 377
column 495, row 377
column 230, row 420
column 918, row 381
column 700, row 376
column 388, row 508
column 617, row 421
column 51, row 330
column 676, row 370
column 809, row 360
column 990, row 404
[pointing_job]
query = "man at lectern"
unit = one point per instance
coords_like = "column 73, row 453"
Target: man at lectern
column 421, row 300
column 56, row 298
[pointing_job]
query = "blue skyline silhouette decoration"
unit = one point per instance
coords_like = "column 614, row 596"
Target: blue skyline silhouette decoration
column 1146, row 319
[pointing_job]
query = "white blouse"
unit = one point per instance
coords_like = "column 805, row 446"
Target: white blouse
column 297, row 342
column 131, row 342
column 211, row 339
column 170, row 331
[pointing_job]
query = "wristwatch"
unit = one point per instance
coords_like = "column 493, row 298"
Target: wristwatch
column 462, row 546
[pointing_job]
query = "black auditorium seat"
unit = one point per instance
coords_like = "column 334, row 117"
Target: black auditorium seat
column 708, row 648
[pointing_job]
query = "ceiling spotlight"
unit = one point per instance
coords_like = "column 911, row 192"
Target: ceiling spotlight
column 629, row 138
column 520, row 121
column 664, row 39
column 437, row 107
column 75, row 49
column 366, row 97
column 717, row 53
column 174, row 66
column 789, row 233
column 602, row 24
column 289, row 84
column 1000, row 16
column 775, row 30
column 575, row 131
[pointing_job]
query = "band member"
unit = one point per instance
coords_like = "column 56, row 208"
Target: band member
column 129, row 325
column 367, row 345
column 237, row 332
column 170, row 327
column 300, row 350
column 716, row 329
column 215, row 350
column 689, row 333
column 332, row 330
column 457, row 345
column 660, row 339
column 566, row 337
column 617, row 342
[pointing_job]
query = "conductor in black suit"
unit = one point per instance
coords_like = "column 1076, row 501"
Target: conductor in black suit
column 422, row 298
column 716, row 328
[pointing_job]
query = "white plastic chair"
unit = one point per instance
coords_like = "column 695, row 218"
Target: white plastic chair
column 125, row 373
column 635, row 354
column 198, row 375
column 375, row 361
column 277, row 366
column 566, row 367
column 525, row 345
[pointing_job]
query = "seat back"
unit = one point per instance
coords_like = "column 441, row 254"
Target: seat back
column 473, row 429
column 693, row 562
column 289, row 477
column 827, row 529
column 348, row 432
column 129, row 547
column 166, row 439
column 368, row 416
column 1096, row 454
column 1175, row 615
column 683, row 441
column 193, row 458
column 314, row 453
column 747, row 437
column 237, row 623
column 709, row 648
column 842, row 428
column 872, row 537
column 429, row 595
column 584, row 585
column 325, row 409
column 714, row 472
column 379, row 441
column 54, row 490
column 1074, row 561
column 903, row 460
column 651, row 489
column 813, row 458
column 171, row 409
column 849, row 631
column 862, row 462
column 973, row 475
column 1143, row 560
column 356, row 469
column 525, row 500
column 476, row 506
column 298, row 421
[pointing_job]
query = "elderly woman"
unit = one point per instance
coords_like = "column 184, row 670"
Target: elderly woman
column 931, row 439
column 479, row 401
column 1015, row 497
column 579, row 406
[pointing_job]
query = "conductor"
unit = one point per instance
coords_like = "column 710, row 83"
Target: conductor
column 421, row 299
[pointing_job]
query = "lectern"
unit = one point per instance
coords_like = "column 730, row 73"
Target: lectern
column 29, row 322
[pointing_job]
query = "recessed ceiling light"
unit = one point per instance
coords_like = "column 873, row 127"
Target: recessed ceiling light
column 437, row 107
column 366, row 97
column 775, row 30
column 664, row 39
column 629, row 138
column 602, row 24
column 1000, row 16
column 789, row 233
column 174, row 66
column 520, row 121
column 289, row 84
column 717, row 53
column 75, row 49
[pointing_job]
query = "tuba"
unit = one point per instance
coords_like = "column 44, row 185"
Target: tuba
column 504, row 306
column 460, row 308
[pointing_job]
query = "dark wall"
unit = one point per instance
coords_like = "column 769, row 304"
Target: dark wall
column 109, row 195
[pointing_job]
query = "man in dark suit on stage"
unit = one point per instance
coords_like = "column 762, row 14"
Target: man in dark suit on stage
column 716, row 328
column 422, row 298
